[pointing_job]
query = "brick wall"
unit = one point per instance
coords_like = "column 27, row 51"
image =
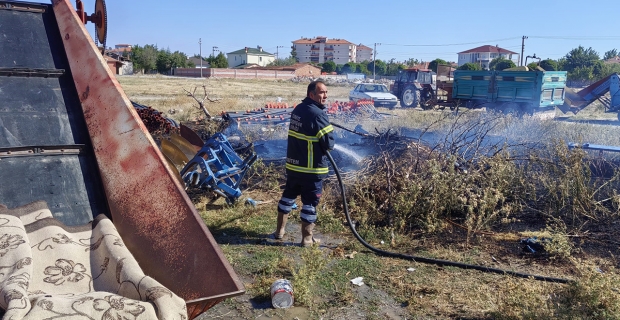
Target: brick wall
column 234, row 73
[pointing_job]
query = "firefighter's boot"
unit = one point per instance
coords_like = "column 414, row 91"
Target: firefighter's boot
column 280, row 228
column 306, row 234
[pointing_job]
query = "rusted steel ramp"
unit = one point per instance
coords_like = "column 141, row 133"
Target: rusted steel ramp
column 70, row 136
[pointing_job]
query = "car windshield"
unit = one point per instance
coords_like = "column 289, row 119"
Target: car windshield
column 373, row 88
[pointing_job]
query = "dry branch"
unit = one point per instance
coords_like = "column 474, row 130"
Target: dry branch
column 201, row 102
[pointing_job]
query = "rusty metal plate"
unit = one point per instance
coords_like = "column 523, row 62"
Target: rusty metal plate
column 155, row 217
column 191, row 136
column 188, row 149
column 170, row 150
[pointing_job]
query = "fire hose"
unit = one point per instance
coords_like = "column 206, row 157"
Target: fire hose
column 423, row 259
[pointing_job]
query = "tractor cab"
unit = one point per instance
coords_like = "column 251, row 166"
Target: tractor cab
column 415, row 87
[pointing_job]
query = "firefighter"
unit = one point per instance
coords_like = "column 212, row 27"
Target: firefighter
column 309, row 136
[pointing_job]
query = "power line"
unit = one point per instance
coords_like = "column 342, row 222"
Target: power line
column 449, row 44
column 595, row 38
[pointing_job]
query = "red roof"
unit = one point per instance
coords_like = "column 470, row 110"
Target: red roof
column 488, row 48
column 363, row 47
column 318, row 40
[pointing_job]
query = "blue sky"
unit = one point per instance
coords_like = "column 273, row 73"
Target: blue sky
column 424, row 30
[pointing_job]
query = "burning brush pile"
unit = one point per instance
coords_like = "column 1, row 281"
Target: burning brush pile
column 417, row 187
column 463, row 179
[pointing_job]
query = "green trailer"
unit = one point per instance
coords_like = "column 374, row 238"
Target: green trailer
column 524, row 92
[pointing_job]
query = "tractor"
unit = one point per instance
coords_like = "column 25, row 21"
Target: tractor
column 415, row 87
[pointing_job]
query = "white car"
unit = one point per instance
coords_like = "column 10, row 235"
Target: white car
column 376, row 92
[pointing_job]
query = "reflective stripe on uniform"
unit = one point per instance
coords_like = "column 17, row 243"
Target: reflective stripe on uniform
column 310, row 155
column 301, row 136
column 307, row 208
column 295, row 168
column 286, row 204
column 325, row 131
column 311, row 218
column 310, row 140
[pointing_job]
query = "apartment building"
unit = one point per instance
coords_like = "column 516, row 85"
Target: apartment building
column 322, row 49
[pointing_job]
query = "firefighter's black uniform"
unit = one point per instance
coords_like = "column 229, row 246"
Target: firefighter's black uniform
column 309, row 134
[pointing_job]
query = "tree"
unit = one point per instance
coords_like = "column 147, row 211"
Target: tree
column 378, row 66
column 163, row 61
column 411, row 62
column 580, row 58
column 393, row 67
column 362, row 68
column 600, row 70
column 581, row 74
column 219, row 61
column 328, row 66
column 339, row 68
column 532, row 66
column 144, row 58
column 282, row 62
column 469, row 66
column 549, row 65
column 349, row 67
column 501, row 64
column 294, row 54
column 610, row 54
column 433, row 64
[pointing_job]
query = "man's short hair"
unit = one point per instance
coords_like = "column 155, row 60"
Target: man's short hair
column 312, row 86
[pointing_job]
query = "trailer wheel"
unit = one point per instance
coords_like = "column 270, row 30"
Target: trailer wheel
column 410, row 97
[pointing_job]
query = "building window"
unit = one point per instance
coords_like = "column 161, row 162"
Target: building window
column 260, row 58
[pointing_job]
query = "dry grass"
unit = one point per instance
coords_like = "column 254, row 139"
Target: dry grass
column 164, row 93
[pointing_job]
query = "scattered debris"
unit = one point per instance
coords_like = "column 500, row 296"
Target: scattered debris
column 533, row 244
column 411, row 269
column 358, row 281
column 255, row 203
column 217, row 168
column 154, row 121
column 350, row 255
column 282, row 294
column 279, row 113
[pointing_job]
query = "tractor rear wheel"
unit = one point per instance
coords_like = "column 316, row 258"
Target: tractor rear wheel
column 410, row 97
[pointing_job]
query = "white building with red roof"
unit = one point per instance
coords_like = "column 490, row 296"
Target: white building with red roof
column 483, row 55
column 322, row 49
column 364, row 53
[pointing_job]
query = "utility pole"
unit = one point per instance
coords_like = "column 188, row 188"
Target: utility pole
column 277, row 56
column 374, row 61
column 200, row 43
column 522, row 48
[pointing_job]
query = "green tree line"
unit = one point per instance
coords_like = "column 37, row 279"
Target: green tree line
column 149, row 58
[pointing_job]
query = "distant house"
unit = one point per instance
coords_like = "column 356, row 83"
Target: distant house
column 116, row 66
column 615, row 59
column 483, row 55
column 196, row 62
column 122, row 47
column 250, row 56
column 364, row 53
